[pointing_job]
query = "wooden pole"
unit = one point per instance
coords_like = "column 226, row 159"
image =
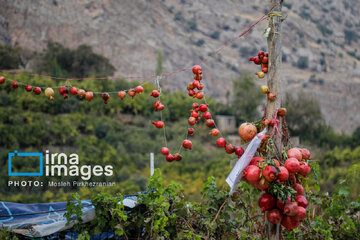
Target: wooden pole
column 274, row 81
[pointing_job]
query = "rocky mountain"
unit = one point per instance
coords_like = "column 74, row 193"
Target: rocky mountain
column 321, row 54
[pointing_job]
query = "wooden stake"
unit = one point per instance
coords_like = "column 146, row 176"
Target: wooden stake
column 274, row 81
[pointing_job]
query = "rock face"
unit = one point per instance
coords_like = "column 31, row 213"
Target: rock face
column 320, row 41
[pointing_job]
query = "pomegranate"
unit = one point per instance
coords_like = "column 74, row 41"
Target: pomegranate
column 301, row 213
column 191, row 93
column 255, row 161
column 281, row 112
column 165, row 151
column 298, row 188
column 190, row 86
column 187, row 144
column 262, row 184
column 197, row 69
column 105, row 97
column 247, row 131
column 265, row 60
column 261, row 54
column 257, row 61
column 63, row 92
column 199, row 95
column 49, row 92
column 289, row 222
column 190, row 131
column 280, row 204
column 206, row 115
column 121, row 94
column 195, row 105
column 294, row 153
column 194, row 114
column 210, row 123
column 260, row 74
column 230, row 149
column 264, row 89
column 271, row 96
column 132, row 93
column 304, row 169
column 283, row 174
column 239, row 151
column 73, row 91
column 191, row 121
column 292, row 165
column 37, row 90
column 196, row 84
column 266, row 202
column 177, row 157
column 14, row 84
column 270, row 173
column 252, row 173
column 158, row 124
column 160, row 107
column 203, row 107
column 221, row 142
column 290, row 208
column 28, row 88
column 88, row 96
column 139, row 89
column 264, row 69
column 2, row 79
column 301, row 201
column 198, row 77
column 274, row 216
column 155, row 93
column 277, row 163
column 201, row 87
column 215, row 132
column 170, row 158
column 305, row 153
column 81, row 93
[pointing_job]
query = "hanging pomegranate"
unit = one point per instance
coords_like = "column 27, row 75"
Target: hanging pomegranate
column 230, row 149
column 14, row 84
column 247, row 131
column 214, row 132
column 221, row 142
column 132, row 93
column 63, row 92
column 203, row 107
column 139, row 89
column 2, row 79
column 37, row 91
column 158, row 124
column 190, row 131
column 155, row 93
column 165, row 151
column 73, row 91
column 105, row 97
column 28, row 88
column 239, row 151
column 177, row 157
column 187, row 144
column 121, row 94
column 49, row 92
column 206, row 115
column 81, row 93
column 191, row 121
column 170, row 158
column 210, row 123
column 197, row 69
column 89, row 96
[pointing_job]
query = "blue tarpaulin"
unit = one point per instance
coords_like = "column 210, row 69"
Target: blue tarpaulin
column 47, row 219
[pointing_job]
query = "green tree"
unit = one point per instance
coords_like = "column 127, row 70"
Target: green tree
column 246, row 98
column 9, row 57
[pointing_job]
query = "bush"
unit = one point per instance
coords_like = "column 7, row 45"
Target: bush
column 215, row 35
column 303, row 62
column 9, row 57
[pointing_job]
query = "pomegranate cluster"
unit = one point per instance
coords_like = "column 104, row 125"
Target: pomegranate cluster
column 272, row 174
column 263, row 60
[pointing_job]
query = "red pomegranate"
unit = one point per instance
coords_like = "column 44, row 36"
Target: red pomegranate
column 298, row 188
column 28, row 88
column 292, row 165
column 170, row 158
column 139, row 89
column 88, row 96
column 177, row 157
column 165, row 151
column 121, row 94
column 280, row 204
column 247, row 131
column 301, row 201
column 191, row 93
column 105, row 97
column 252, row 173
column 199, row 95
column 221, row 142
column 239, row 151
column 283, row 174
column 210, row 123
column 2, row 79
column 290, row 208
column 190, row 131
column 197, row 69
column 187, row 144
column 37, row 90
column 294, row 153
column 256, row 161
column 305, row 153
column 301, row 213
column 158, row 124
column 304, row 169
column 195, row 114
column 266, row 202
column 14, row 84
column 289, row 222
column 206, row 115
column 81, row 93
column 230, row 149
column 132, row 93
column 191, row 121
column 262, row 184
column 270, row 173
column 73, row 91
column 203, row 107
column 215, row 132
column 155, row 93
column 195, row 105
column 196, row 84
column 274, row 216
